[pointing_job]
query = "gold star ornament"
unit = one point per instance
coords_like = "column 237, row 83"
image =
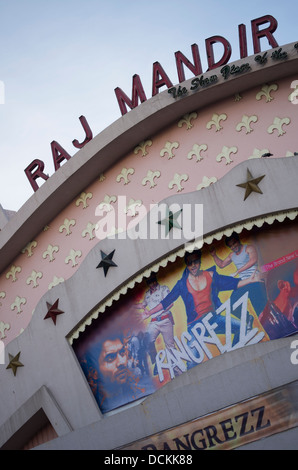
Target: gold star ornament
column 14, row 362
column 251, row 185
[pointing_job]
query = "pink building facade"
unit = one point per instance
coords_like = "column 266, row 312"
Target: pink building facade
column 227, row 145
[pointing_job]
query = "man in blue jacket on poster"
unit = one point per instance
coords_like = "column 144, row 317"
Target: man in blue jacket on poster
column 199, row 290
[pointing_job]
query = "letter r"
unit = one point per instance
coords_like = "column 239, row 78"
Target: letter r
column 38, row 166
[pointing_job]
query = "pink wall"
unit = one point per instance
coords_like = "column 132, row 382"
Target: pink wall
column 242, row 144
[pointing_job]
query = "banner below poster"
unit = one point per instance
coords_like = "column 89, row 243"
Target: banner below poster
column 232, row 427
column 240, row 291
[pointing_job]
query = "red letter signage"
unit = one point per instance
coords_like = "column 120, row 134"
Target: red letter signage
column 88, row 133
column 38, row 173
column 210, row 54
column 267, row 32
column 137, row 93
column 59, row 154
column 242, row 41
column 196, row 68
column 160, row 78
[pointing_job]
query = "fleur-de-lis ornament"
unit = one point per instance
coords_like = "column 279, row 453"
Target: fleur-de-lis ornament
column 19, row 301
column 266, row 92
column 225, row 153
column 246, row 123
column 34, row 278
column 186, row 119
column 67, row 224
column 278, row 124
column 196, row 152
column 89, row 230
column 83, row 199
column 168, row 149
column 215, row 121
column 13, row 272
column 29, row 248
column 177, row 181
column 124, row 174
column 50, row 252
column 142, row 147
column 150, row 178
column 73, row 255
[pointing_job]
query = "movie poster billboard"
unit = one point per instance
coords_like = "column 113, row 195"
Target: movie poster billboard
column 239, row 291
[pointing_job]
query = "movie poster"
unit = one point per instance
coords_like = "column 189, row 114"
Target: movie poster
column 239, row 291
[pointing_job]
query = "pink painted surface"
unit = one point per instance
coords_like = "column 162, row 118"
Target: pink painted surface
column 12, row 322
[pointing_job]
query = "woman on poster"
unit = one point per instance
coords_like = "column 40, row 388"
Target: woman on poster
column 245, row 259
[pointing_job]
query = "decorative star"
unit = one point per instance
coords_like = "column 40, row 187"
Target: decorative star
column 53, row 311
column 14, row 363
column 170, row 220
column 251, row 185
column 106, row 261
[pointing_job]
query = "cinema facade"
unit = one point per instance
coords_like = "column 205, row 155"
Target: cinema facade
column 129, row 317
